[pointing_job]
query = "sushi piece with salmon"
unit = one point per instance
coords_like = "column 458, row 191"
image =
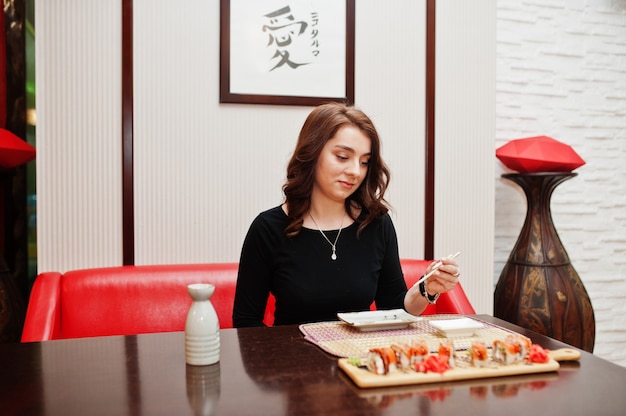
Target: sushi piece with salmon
column 446, row 349
column 382, row 360
column 478, row 354
column 419, row 352
column 509, row 351
column 403, row 355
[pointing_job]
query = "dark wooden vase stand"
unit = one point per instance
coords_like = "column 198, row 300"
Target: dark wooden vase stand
column 538, row 288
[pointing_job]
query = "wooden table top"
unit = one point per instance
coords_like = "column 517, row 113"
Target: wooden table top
column 273, row 371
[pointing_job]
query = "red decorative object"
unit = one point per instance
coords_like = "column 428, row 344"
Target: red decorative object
column 13, row 150
column 539, row 154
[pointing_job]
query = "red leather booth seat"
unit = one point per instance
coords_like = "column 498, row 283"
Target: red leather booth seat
column 130, row 300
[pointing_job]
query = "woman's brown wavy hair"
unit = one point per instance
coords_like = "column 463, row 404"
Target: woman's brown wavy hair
column 320, row 126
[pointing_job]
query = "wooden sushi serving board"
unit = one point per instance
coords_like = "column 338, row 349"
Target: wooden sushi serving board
column 463, row 371
column 365, row 379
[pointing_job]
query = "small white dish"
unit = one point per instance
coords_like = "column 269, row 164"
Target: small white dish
column 457, row 327
column 378, row 320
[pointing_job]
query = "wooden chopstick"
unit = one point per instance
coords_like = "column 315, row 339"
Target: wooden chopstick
column 435, row 267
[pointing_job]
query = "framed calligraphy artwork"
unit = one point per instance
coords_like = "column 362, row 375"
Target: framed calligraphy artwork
column 289, row 52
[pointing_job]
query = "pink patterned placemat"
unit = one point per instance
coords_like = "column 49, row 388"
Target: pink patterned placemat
column 343, row 340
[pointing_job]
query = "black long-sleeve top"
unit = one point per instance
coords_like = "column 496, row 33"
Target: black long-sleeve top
column 308, row 285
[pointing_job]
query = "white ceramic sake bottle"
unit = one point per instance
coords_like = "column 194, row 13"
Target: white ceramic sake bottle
column 202, row 327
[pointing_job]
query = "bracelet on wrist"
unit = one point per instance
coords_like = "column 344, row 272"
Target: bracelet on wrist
column 432, row 299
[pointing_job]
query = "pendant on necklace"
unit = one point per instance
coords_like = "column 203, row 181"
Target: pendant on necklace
column 332, row 245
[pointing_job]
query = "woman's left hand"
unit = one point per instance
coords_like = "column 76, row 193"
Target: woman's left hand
column 443, row 279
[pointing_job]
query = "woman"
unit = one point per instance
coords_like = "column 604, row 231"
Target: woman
column 331, row 246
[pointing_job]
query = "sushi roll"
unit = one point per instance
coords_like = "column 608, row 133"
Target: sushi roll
column 478, row 354
column 419, row 352
column 524, row 342
column 381, row 360
column 508, row 352
column 403, row 355
column 446, row 349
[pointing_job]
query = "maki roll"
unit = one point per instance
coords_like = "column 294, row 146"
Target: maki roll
column 446, row 349
column 478, row 354
column 403, row 355
column 525, row 344
column 510, row 351
column 381, row 360
column 419, row 352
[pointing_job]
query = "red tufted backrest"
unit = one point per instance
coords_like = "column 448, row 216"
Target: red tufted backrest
column 143, row 299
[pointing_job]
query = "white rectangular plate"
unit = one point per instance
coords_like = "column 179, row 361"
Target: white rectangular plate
column 457, row 327
column 378, row 320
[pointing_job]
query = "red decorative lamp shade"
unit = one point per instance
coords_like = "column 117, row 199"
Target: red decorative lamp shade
column 538, row 154
column 13, row 150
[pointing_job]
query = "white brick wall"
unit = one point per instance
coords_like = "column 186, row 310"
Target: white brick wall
column 561, row 72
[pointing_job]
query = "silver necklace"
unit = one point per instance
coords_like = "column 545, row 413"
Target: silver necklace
column 333, row 245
